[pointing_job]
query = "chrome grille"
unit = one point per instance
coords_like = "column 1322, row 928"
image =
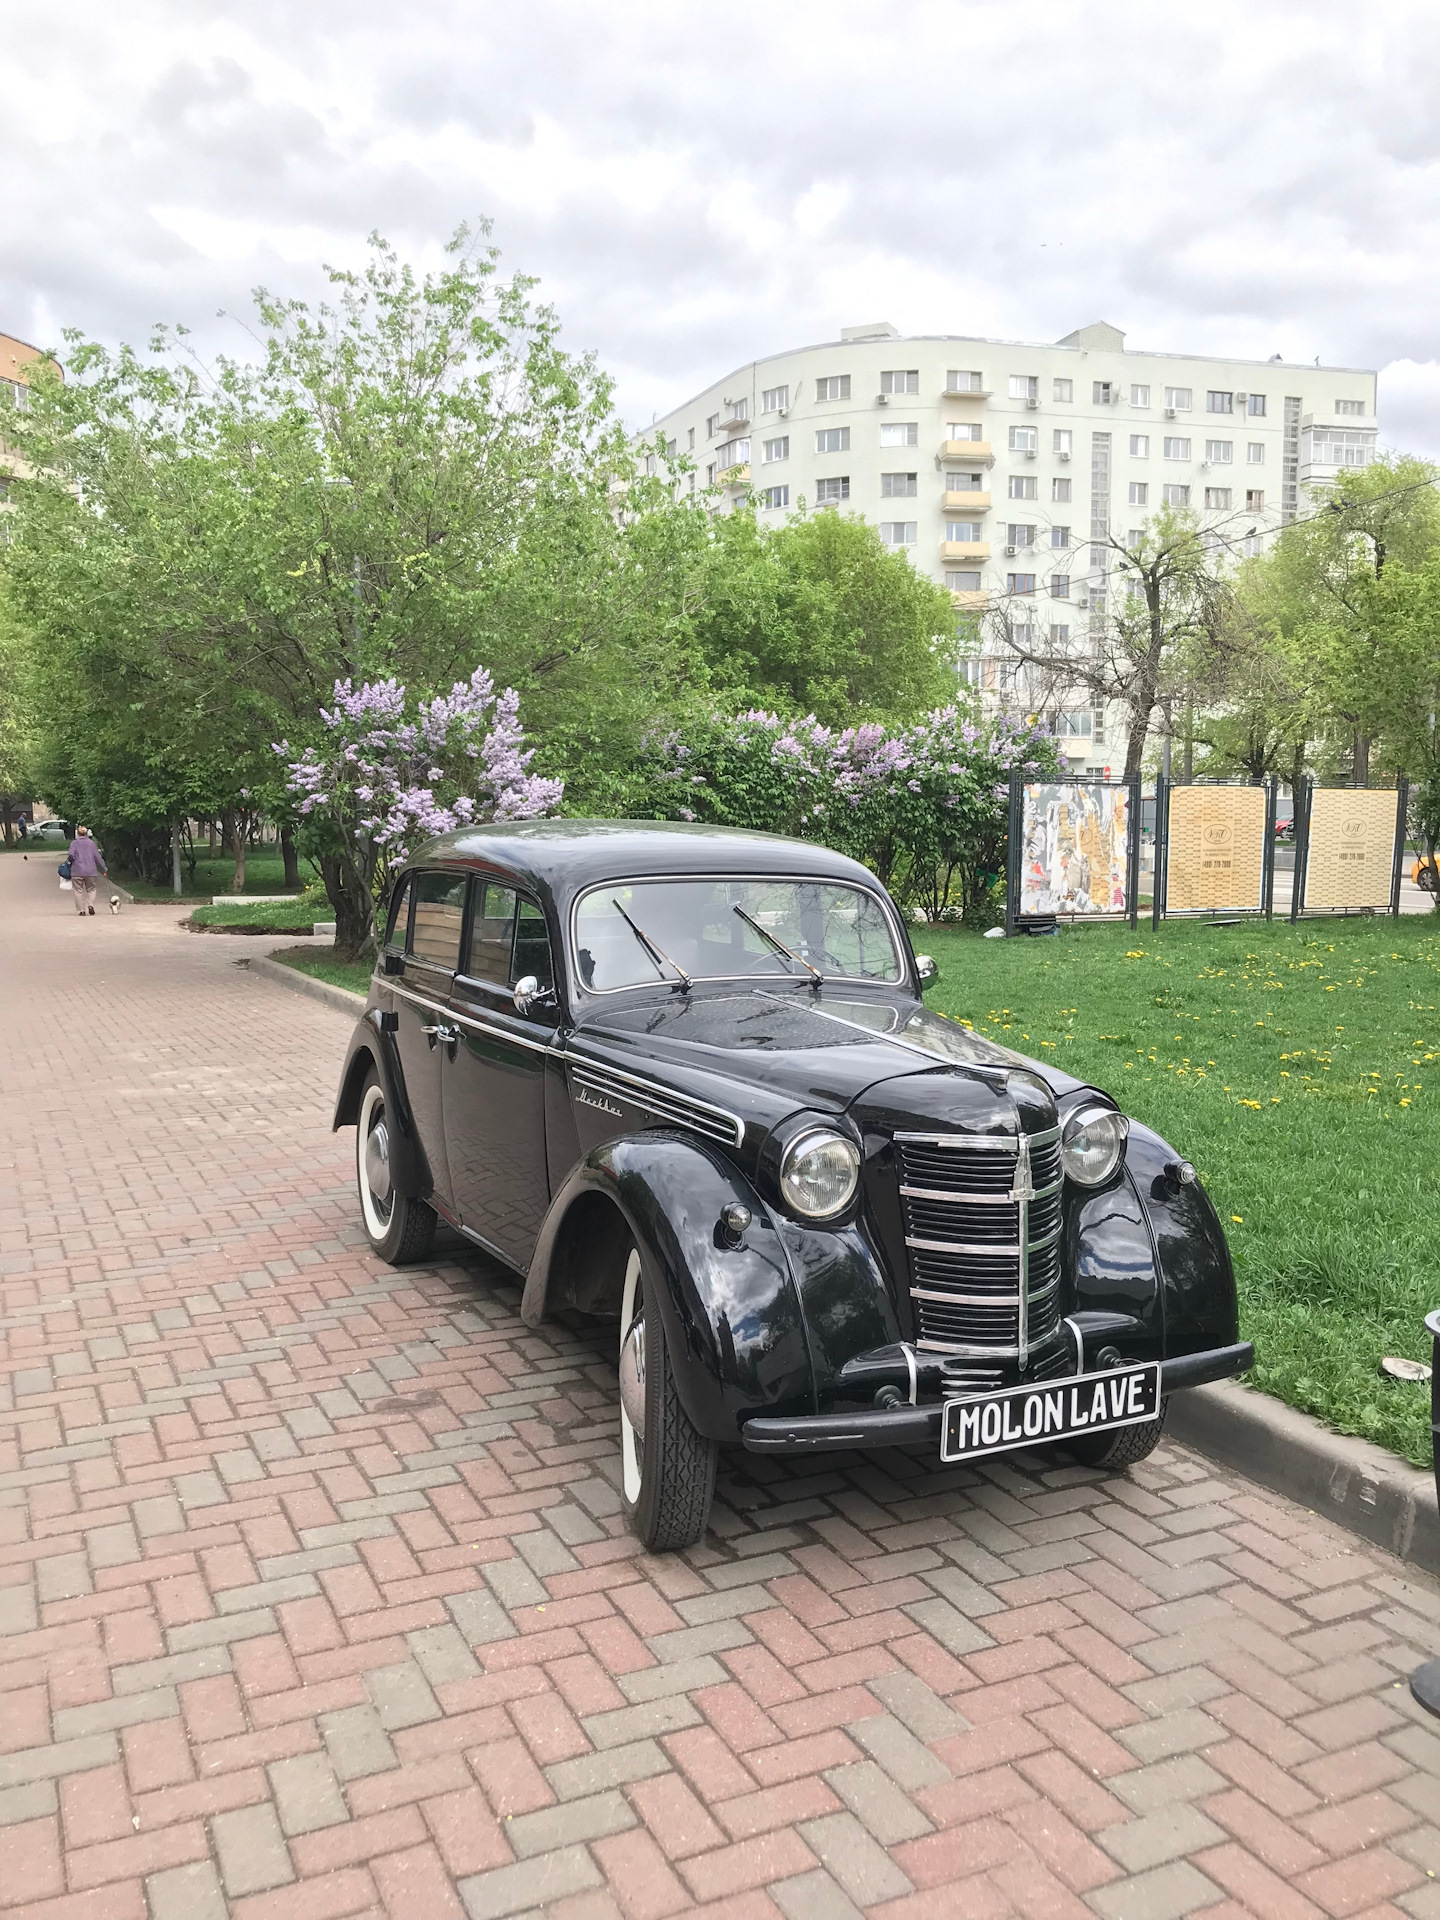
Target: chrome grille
column 982, row 1226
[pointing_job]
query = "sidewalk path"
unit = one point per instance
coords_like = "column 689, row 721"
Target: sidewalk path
column 317, row 1602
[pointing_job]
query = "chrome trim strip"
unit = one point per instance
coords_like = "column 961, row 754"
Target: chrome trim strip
column 673, row 1103
column 967, row 1352
column 909, row 1352
column 480, row 1026
column 1079, row 1342
column 975, row 1142
column 976, row 1199
column 965, row 1299
column 1001, row 1249
column 1024, row 1194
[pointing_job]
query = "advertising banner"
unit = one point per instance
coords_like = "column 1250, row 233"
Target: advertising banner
column 1351, row 851
column 1216, row 854
column 1075, row 849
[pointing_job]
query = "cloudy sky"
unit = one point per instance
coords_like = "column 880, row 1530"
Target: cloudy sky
column 696, row 185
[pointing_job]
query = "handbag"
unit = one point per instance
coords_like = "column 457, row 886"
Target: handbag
column 64, row 871
column 66, row 887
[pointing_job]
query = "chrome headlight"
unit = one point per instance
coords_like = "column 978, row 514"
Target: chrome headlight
column 819, row 1173
column 1092, row 1144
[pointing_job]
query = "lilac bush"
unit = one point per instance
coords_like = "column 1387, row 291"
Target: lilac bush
column 392, row 773
column 923, row 805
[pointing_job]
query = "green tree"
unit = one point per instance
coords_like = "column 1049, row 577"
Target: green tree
column 17, row 728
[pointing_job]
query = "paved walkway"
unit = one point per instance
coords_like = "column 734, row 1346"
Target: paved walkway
column 318, row 1603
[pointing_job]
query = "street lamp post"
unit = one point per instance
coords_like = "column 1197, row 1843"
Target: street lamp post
column 1425, row 1681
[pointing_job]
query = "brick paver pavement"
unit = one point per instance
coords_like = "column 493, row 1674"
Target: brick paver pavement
column 317, row 1602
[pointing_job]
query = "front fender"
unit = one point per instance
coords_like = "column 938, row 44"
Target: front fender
column 371, row 1044
column 1201, row 1308
column 731, row 1314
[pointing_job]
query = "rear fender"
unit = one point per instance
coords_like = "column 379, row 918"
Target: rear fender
column 371, row 1046
column 731, row 1314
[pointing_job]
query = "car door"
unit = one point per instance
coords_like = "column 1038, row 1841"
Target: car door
column 422, row 994
column 494, row 1083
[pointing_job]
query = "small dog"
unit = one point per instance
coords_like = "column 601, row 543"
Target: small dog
column 114, row 903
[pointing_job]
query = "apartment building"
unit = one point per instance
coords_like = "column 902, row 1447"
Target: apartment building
column 1006, row 469
column 17, row 357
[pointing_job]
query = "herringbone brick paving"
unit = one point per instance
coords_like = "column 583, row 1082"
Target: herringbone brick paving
column 317, row 1601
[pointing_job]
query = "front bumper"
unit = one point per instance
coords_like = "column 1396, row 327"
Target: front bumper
column 920, row 1426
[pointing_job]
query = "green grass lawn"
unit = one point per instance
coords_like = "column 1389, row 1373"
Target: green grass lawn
column 264, row 873
column 1299, row 1068
column 278, row 915
column 321, row 963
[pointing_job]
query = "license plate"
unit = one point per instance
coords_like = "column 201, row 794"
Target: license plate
column 986, row 1423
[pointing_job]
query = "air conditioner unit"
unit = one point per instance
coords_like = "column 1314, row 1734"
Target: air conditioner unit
column 1032, row 404
column 1031, row 453
column 882, row 399
column 1169, row 413
column 1010, row 553
column 1062, row 456
column 784, row 413
column 1241, row 398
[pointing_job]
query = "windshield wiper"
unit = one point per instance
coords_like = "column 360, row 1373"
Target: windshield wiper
column 779, row 946
column 656, row 953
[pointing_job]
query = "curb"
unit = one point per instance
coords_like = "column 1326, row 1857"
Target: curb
column 1353, row 1482
column 339, row 998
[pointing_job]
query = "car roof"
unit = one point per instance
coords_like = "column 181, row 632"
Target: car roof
column 561, row 857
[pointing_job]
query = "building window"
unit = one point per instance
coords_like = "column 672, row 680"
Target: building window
column 1139, row 396
column 1022, row 486
column 775, row 497
column 959, row 482
column 1216, row 402
column 1254, row 545
column 712, row 426
column 1254, row 500
column 734, row 454
column 1061, row 491
column 898, row 533
column 899, row 486
column 1019, row 536
column 1075, row 726
column 1139, row 493
column 1060, row 635
column 1024, row 439
column 1338, row 446
column 1177, row 496
column 1062, row 441
column 1139, row 446
column 966, row 581
column 900, row 380
column 963, row 380
column 777, row 449
column 1177, row 447
column 828, row 492
column 1355, row 407
column 1178, row 398
column 1255, row 406
column 1255, row 452
column 1063, row 389
column 1059, row 536
column 1059, row 586
column 835, row 386
column 1220, row 452
column 1102, row 392
column 1135, row 538
column 1020, row 583
column 691, row 441
column 710, row 474
column 1024, row 386
column 774, row 399
column 651, row 463
column 954, row 430
column 966, row 532
column 691, row 479
column 906, row 433
column 1219, row 499
column 832, row 440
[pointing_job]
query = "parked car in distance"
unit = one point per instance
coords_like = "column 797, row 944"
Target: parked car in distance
column 1423, row 874
column 681, row 1080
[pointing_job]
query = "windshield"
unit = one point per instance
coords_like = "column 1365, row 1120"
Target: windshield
column 641, row 932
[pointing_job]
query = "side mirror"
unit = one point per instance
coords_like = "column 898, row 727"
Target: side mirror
column 926, row 971
column 392, row 963
column 529, row 994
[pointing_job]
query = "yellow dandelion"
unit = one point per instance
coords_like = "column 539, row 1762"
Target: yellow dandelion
column 1238, row 1219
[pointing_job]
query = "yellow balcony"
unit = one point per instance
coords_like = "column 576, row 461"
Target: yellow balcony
column 967, row 597
column 964, row 549
column 966, row 450
column 974, row 502
column 736, row 476
column 966, row 393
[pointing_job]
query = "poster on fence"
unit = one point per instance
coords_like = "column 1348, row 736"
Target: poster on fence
column 1075, row 844
column 1216, row 848
column 1352, row 848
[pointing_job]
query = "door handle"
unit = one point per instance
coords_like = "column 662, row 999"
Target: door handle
column 446, row 1036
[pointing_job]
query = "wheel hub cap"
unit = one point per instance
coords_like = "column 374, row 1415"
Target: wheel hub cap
column 377, row 1161
column 632, row 1377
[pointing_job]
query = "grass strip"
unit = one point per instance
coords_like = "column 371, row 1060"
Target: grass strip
column 1299, row 1069
column 279, row 916
column 322, row 965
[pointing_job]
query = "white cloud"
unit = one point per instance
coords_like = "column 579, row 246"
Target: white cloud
column 698, row 186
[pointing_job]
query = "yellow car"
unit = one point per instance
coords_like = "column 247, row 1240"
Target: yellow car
column 1423, row 874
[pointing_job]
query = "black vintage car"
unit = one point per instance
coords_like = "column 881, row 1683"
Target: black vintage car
column 681, row 1079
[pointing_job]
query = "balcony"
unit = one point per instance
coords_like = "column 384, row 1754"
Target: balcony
column 965, row 393
column 974, row 502
column 965, row 597
column 967, row 450
column 964, row 549
column 735, row 476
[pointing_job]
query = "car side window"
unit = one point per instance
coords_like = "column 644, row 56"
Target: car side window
column 399, row 915
column 492, row 932
column 437, row 918
column 532, row 945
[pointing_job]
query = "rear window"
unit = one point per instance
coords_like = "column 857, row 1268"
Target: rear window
column 399, row 915
column 438, row 918
column 492, row 932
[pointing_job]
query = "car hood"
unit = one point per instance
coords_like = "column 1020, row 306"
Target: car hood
column 823, row 1049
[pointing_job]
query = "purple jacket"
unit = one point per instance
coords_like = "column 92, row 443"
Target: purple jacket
column 85, row 861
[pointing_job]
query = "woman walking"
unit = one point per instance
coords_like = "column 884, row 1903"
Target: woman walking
column 86, row 865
